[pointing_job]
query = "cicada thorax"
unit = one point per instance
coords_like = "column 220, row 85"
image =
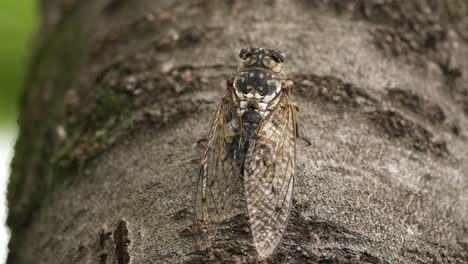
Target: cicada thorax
column 255, row 90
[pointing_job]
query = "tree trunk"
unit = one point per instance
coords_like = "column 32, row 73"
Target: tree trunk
column 119, row 99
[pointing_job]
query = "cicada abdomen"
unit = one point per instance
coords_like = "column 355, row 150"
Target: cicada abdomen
column 252, row 144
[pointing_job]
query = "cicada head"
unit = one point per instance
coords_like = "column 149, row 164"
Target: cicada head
column 270, row 59
column 259, row 79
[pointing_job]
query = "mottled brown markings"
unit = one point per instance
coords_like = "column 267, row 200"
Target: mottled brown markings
column 333, row 89
column 409, row 45
column 132, row 87
column 416, row 104
column 403, row 29
column 410, row 34
column 395, row 123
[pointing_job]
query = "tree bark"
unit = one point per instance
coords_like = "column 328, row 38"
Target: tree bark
column 119, row 99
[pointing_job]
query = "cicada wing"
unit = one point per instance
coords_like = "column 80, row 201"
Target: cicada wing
column 269, row 178
column 217, row 175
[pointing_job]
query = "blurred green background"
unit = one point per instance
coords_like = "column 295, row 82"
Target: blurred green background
column 17, row 22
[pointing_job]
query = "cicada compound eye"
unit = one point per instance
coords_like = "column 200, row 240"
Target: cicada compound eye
column 278, row 56
column 245, row 53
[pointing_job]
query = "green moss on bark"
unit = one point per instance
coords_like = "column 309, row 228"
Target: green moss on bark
column 52, row 72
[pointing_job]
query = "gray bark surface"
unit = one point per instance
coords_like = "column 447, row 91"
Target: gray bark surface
column 120, row 96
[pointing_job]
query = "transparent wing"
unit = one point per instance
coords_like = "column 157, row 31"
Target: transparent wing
column 269, row 177
column 217, row 174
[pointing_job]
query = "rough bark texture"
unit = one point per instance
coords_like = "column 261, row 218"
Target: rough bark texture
column 120, row 95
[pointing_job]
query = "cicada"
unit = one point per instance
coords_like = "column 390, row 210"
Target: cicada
column 250, row 153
